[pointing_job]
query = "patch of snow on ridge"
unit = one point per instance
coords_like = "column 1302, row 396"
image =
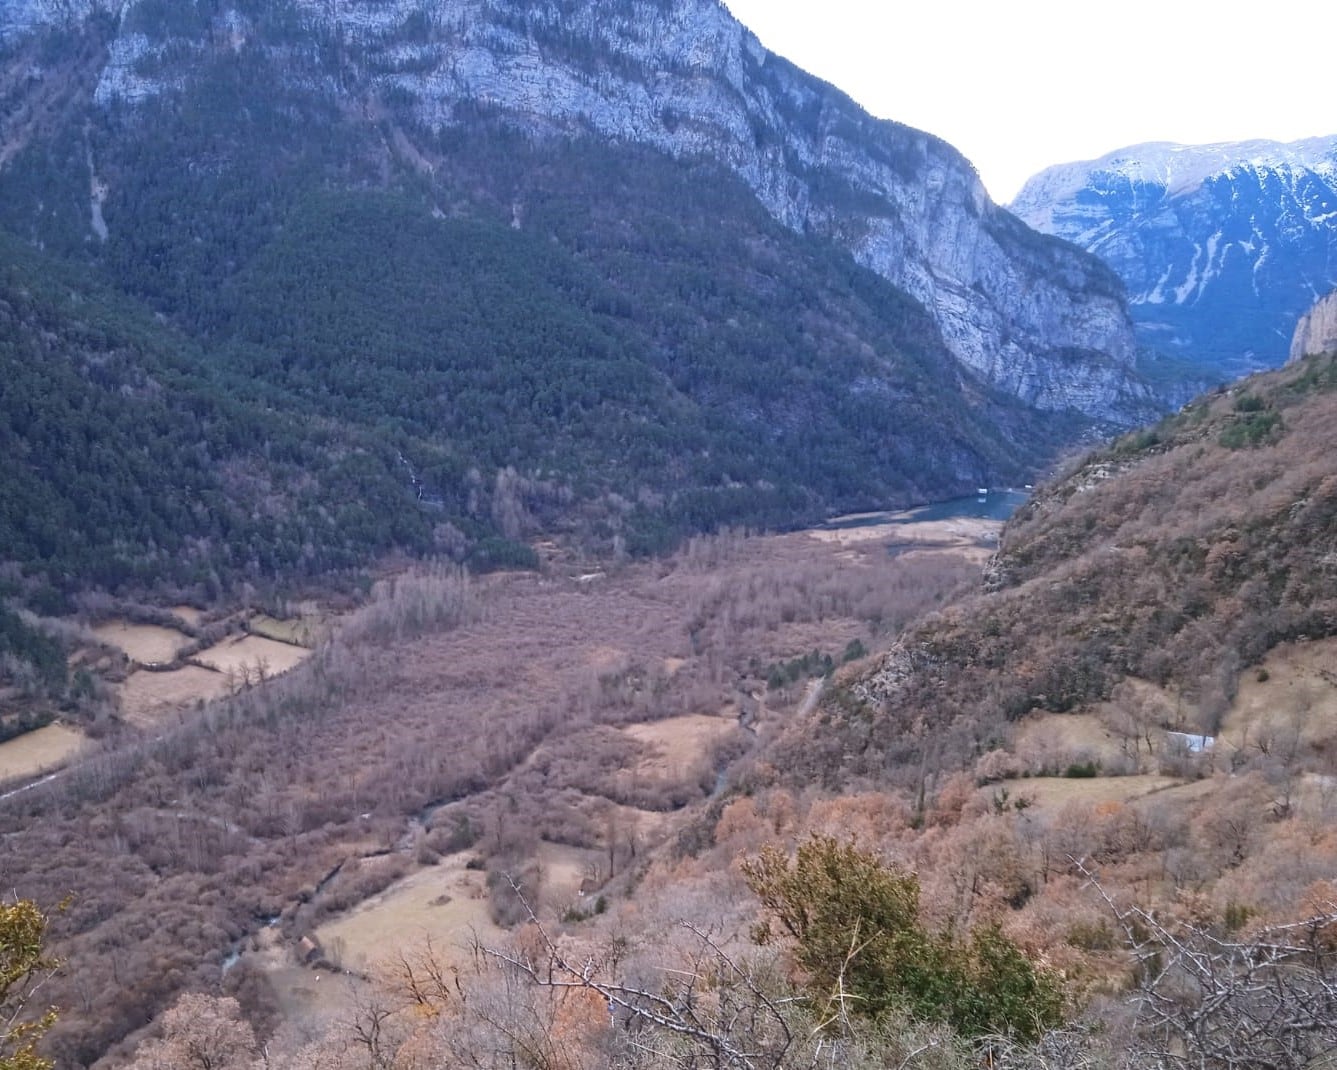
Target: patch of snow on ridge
column 1157, row 294
column 1213, row 265
column 1177, row 168
column 1191, row 282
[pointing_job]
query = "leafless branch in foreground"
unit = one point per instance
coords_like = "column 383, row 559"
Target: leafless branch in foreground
column 1208, row 1000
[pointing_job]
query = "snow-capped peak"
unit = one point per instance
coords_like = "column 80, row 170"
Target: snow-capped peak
column 1175, row 168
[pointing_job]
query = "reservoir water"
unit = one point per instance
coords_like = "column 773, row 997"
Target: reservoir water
column 995, row 505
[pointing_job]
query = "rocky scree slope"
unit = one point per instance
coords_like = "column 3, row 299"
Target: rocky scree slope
column 1031, row 315
column 1221, row 246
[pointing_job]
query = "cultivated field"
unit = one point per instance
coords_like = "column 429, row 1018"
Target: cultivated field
column 38, row 751
column 147, row 698
column 252, row 657
column 148, row 644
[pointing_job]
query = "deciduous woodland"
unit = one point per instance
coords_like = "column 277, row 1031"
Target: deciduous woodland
column 1061, row 800
column 505, row 716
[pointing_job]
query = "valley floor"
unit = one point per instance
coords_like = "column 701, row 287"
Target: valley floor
column 332, row 812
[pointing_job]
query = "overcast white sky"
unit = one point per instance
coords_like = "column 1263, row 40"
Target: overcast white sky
column 1018, row 85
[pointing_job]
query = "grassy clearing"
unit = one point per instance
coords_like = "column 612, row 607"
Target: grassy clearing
column 1052, row 792
column 189, row 614
column 300, row 631
column 962, row 533
column 147, row 698
column 446, row 903
column 148, row 644
column 677, row 744
column 1295, row 701
column 1057, row 740
column 37, row 751
column 307, row 998
column 565, row 868
column 253, row 656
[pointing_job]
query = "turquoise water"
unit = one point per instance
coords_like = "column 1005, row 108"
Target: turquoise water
column 996, row 505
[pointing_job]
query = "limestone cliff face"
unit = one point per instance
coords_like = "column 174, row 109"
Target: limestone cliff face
column 1036, row 316
column 1317, row 330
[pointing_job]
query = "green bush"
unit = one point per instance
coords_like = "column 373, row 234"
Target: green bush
column 855, row 928
column 1255, row 429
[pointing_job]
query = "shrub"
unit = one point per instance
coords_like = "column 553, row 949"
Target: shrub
column 1255, row 429
column 855, row 929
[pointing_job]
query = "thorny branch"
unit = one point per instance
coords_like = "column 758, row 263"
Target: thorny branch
column 1264, row 1000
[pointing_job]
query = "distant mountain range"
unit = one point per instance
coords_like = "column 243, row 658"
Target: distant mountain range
column 491, row 267
column 1222, row 247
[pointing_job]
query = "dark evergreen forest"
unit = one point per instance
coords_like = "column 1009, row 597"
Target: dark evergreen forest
column 307, row 342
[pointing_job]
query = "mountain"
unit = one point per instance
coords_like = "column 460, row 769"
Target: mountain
column 1317, row 330
column 681, row 77
column 1221, row 246
column 607, row 268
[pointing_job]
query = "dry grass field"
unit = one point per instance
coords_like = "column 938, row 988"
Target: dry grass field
column 446, row 903
column 1293, row 695
column 189, row 614
column 148, row 644
column 38, row 751
column 300, row 631
column 1057, row 740
column 253, row 656
column 563, row 869
column 1051, row 793
column 148, row 698
column 677, row 745
column 970, row 536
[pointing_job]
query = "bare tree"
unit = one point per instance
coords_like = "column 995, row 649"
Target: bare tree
column 1207, row 1000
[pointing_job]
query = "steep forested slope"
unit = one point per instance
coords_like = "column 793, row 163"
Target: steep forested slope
column 1179, row 556
column 484, row 311
column 131, row 460
column 369, row 362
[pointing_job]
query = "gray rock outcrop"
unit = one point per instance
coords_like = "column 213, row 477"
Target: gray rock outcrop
column 1317, row 330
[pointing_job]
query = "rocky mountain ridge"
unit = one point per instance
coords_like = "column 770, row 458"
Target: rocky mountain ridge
column 1221, row 246
column 1033, row 316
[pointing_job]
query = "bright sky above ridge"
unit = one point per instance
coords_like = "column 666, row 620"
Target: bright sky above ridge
column 1020, row 85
